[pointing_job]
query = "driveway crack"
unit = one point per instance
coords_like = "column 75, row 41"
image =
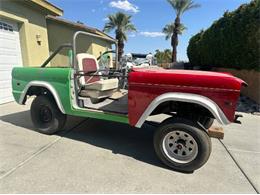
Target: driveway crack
column 240, row 168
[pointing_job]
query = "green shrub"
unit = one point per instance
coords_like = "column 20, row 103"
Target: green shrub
column 233, row 41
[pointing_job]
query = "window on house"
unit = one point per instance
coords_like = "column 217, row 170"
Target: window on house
column 7, row 27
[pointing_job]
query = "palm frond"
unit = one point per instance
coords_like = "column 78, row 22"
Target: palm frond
column 181, row 6
column 122, row 24
column 169, row 29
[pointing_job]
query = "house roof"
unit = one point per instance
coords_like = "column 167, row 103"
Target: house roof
column 79, row 26
column 47, row 6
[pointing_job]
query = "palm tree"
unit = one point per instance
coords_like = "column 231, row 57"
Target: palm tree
column 174, row 29
column 167, row 55
column 122, row 24
column 169, row 29
column 163, row 56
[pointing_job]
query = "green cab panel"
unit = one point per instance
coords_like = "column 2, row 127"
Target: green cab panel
column 60, row 79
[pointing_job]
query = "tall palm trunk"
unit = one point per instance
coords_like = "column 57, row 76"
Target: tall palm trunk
column 174, row 39
column 174, row 43
column 120, row 50
column 120, row 46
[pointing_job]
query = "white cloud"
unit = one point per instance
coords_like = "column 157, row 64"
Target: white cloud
column 124, row 5
column 146, row 34
column 105, row 19
column 93, row 10
column 152, row 34
column 132, row 35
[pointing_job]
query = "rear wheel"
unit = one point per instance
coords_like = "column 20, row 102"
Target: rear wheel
column 46, row 116
column 181, row 145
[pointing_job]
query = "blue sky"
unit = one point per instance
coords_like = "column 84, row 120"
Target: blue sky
column 149, row 17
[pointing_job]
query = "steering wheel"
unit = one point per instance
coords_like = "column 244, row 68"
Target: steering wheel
column 106, row 52
column 121, row 74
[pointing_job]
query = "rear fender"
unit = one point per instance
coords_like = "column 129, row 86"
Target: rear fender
column 185, row 97
column 47, row 86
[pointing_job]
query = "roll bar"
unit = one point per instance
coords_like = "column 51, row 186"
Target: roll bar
column 73, row 46
column 67, row 45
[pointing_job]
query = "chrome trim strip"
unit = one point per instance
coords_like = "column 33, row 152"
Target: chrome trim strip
column 46, row 85
column 185, row 97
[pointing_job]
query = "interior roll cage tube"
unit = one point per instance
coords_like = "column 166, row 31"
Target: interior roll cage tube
column 66, row 45
column 73, row 46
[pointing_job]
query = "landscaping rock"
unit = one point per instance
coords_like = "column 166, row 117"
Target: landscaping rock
column 245, row 104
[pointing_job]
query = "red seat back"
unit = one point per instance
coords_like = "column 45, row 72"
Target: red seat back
column 90, row 65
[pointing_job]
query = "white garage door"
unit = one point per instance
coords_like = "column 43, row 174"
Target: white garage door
column 10, row 56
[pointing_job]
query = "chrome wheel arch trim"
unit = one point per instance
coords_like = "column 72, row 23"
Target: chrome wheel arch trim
column 46, row 85
column 185, row 97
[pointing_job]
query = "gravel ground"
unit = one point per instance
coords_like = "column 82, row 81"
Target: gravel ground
column 247, row 105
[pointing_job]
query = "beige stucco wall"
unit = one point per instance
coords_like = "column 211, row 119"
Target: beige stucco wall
column 252, row 78
column 31, row 22
column 59, row 33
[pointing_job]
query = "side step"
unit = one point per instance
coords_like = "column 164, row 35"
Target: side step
column 216, row 132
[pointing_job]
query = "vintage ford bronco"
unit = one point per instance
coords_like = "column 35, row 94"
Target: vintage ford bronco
column 191, row 99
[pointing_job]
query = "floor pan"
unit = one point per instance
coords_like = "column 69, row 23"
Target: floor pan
column 118, row 106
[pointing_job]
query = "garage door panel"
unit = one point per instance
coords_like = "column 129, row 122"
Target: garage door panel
column 4, row 37
column 10, row 37
column 5, row 92
column 6, row 67
column 5, row 76
column 10, row 55
column 10, row 59
column 5, row 84
column 7, row 45
column 6, row 100
column 7, row 52
column 8, row 40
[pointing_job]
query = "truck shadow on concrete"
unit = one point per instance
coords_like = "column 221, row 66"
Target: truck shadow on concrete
column 119, row 138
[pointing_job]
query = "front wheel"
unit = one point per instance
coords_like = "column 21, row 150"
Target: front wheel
column 181, row 145
column 46, row 116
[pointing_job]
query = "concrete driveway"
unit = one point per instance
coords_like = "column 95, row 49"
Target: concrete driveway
column 93, row 156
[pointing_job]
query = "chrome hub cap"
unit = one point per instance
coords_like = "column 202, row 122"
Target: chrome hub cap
column 180, row 147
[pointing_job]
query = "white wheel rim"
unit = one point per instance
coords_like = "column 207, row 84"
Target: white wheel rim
column 180, row 146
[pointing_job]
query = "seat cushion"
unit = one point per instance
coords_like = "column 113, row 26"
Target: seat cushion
column 102, row 85
column 96, row 94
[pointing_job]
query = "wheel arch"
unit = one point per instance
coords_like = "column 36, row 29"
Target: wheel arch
column 30, row 90
column 203, row 101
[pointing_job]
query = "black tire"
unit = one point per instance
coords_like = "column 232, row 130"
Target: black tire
column 46, row 116
column 187, row 128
